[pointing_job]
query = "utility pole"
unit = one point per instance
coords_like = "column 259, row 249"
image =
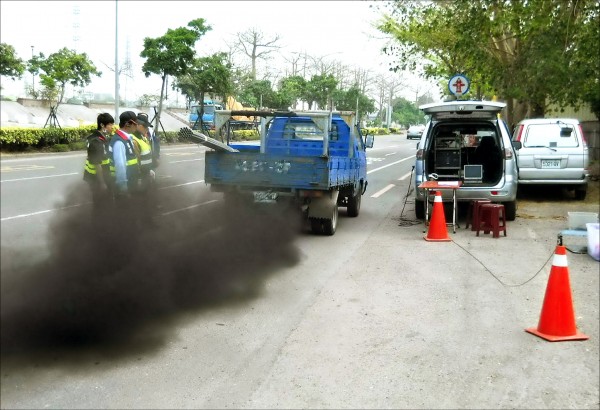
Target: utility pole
column 116, row 60
column 389, row 110
column 33, row 76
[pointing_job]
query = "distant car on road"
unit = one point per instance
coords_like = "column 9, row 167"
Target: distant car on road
column 415, row 132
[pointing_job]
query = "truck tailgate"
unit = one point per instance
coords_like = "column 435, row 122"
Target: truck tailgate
column 262, row 171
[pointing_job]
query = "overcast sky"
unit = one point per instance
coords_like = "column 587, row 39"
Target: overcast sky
column 335, row 30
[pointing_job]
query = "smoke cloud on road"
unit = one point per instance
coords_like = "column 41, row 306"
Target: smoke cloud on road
column 112, row 282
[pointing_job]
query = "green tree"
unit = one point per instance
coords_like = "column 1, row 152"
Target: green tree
column 172, row 54
column 291, row 90
column 146, row 100
column 407, row 113
column 59, row 69
column 211, row 75
column 527, row 52
column 320, row 90
column 352, row 99
column 259, row 94
column 10, row 65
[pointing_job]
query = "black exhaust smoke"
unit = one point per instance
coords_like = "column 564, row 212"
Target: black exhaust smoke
column 114, row 281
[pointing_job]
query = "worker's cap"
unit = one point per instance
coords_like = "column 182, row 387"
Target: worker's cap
column 127, row 116
column 142, row 118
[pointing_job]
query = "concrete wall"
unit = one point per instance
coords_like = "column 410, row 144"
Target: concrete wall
column 31, row 113
column 591, row 131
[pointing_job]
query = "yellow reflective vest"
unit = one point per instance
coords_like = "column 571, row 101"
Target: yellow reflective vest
column 91, row 169
column 144, row 153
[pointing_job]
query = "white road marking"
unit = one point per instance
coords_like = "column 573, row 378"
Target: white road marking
column 46, row 176
column 188, row 207
column 389, row 165
column 178, row 185
column 185, row 160
column 391, row 153
column 24, row 168
column 42, row 212
column 179, row 154
column 382, row 191
column 8, row 218
column 403, row 177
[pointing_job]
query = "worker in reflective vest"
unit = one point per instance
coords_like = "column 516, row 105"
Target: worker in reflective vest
column 123, row 160
column 142, row 146
column 97, row 170
column 151, row 137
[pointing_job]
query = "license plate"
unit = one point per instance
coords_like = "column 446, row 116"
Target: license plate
column 550, row 163
column 265, row 197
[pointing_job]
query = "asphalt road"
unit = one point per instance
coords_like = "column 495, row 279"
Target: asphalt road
column 221, row 308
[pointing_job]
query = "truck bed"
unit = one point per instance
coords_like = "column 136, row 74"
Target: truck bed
column 252, row 170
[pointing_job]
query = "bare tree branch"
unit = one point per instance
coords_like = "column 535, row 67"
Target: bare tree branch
column 254, row 45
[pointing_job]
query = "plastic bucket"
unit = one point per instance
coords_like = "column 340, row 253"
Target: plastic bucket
column 593, row 237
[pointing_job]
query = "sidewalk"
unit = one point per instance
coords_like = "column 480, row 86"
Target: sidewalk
column 443, row 328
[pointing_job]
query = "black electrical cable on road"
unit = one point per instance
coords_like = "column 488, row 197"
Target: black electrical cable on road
column 496, row 277
column 404, row 221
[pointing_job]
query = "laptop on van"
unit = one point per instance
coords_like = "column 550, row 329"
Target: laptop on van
column 473, row 173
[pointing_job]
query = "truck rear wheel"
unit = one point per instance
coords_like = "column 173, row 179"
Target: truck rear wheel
column 330, row 224
column 325, row 226
column 354, row 204
column 316, row 227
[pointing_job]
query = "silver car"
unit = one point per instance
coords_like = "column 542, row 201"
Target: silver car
column 467, row 141
column 414, row 131
column 552, row 151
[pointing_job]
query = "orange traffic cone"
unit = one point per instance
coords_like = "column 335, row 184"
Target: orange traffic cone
column 557, row 320
column 437, row 225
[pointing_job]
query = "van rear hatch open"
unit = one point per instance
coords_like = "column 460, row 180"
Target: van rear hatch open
column 463, row 109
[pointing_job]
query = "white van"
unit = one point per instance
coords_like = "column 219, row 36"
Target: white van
column 467, row 141
column 552, row 151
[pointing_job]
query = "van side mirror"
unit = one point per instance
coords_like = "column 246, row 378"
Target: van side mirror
column 370, row 140
column 565, row 131
column 517, row 145
column 417, row 147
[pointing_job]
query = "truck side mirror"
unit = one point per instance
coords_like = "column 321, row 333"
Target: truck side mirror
column 369, row 141
column 517, row 144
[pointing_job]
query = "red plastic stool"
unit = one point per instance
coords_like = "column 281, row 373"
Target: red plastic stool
column 473, row 218
column 490, row 217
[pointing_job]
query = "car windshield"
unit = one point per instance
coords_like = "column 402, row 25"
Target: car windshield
column 548, row 135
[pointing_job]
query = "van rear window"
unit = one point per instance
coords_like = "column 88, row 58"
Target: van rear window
column 548, row 135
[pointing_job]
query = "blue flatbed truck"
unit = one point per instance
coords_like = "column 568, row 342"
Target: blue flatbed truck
column 208, row 115
column 313, row 160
